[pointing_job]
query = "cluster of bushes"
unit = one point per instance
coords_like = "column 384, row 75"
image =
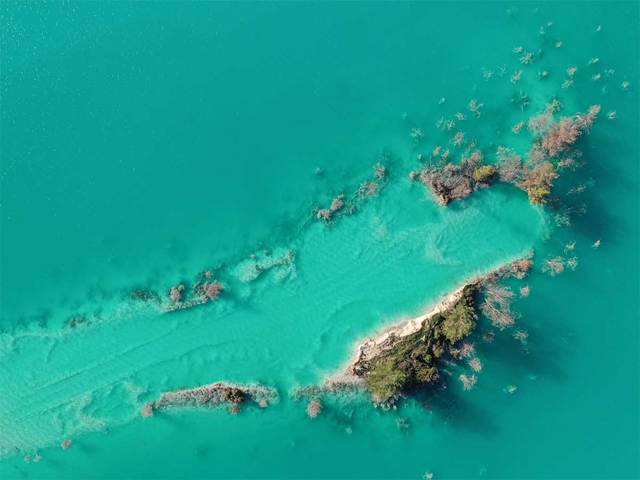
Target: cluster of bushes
column 452, row 182
column 535, row 176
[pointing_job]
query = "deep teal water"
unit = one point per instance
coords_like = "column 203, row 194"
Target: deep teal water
column 142, row 143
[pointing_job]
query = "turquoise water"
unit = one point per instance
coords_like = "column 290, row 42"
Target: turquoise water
column 143, row 143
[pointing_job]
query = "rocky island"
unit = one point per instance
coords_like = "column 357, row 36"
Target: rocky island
column 213, row 395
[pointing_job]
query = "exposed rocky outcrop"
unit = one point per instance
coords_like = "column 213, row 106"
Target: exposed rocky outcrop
column 213, row 395
column 204, row 291
column 347, row 205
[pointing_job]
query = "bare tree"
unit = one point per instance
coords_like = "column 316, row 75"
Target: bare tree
column 475, row 364
column 468, row 382
column 497, row 305
column 314, row 408
column 554, row 266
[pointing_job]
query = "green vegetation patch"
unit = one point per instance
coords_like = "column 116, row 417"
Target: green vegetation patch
column 484, row 174
column 413, row 360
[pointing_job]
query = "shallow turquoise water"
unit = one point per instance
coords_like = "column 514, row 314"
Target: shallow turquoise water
column 144, row 143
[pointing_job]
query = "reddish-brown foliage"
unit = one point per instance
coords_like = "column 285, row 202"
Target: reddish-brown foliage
column 176, row 293
column 448, row 183
column 567, row 131
column 324, row 214
column 314, row 408
column 510, row 168
column 540, row 123
column 554, row 266
column 475, row 364
column 497, row 305
column 337, row 203
column 211, row 291
column 538, row 181
column 561, row 135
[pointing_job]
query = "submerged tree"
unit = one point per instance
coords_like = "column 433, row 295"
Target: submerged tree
column 314, row 408
column 475, row 364
column 497, row 305
column 568, row 130
column 468, row 382
column 536, row 176
column 210, row 290
column 538, row 181
column 554, row 266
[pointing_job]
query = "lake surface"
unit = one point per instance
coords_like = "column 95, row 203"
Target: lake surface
column 144, row 143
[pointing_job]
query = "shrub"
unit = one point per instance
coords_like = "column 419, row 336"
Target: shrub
column 468, row 382
column 448, row 183
column 566, row 132
column 538, row 195
column 427, row 375
column 211, row 291
column 510, row 168
column 522, row 336
column 459, row 322
column 176, row 293
column 539, row 181
column 561, row 136
column 337, row 203
column 484, row 174
column 324, row 214
column 539, row 124
column 475, row 364
column 554, row 266
column 314, row 408
column 386, row 380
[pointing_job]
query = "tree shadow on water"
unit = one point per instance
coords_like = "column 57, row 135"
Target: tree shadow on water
column 536, row 357
column 455, row 408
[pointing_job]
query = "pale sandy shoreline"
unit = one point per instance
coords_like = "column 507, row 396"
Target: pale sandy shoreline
column 388, row 335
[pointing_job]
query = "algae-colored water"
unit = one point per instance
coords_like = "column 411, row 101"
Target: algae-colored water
column 142, row 143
